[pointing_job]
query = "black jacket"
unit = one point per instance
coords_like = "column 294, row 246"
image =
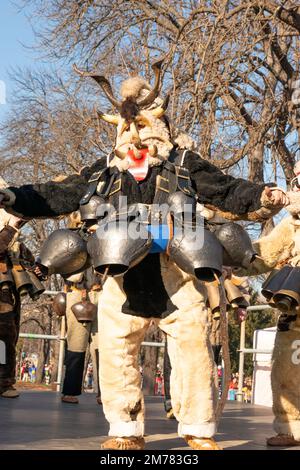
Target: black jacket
column 230, row 196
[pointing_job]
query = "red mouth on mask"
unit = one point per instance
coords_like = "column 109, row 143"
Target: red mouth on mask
column 138, row 166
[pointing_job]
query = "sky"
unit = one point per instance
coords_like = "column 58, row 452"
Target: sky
column 15, row 30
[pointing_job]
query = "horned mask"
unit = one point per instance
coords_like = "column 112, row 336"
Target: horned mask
column 141, row 131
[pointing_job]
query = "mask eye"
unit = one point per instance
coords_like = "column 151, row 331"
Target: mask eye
column 141, row 125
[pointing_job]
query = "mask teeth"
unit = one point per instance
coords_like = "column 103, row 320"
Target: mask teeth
column 136, row 153
column 153, row 150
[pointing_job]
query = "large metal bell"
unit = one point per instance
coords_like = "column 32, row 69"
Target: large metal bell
column 205, row 263
column 118, row 245
column 288, row 296
column 37, row 287
column 22, row 281
column 64, row 252
column 60, row 304
column 84, row 311
column 274, row 282
column 238, row 249
column 234, row 295
column 213, row 295
column 6, row 280
column 88, row 211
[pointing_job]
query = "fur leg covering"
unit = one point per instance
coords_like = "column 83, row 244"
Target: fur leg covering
column 285, row 381
column 120, row 337
column 192, row 376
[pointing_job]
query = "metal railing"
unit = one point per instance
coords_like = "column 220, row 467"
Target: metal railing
column 62, row 338
column 242, row 350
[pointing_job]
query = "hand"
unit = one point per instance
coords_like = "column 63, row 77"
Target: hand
column 276, row 196
column 40, row 271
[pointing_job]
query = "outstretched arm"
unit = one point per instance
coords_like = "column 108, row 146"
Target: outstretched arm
column 51, row 199
column 233, row 198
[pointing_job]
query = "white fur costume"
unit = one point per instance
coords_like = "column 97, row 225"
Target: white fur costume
column 282, row 245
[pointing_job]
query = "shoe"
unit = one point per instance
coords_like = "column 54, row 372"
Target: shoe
column 170, row 414
column 11, row 392
column 282, row 440
column 124, row 443
column 99, row 401
column 202, row 443
column 69, row 399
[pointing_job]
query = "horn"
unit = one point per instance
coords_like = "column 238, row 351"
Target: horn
column 102, row 81
column 120, row 154
column 110, row 118
column 160, row 110
column 60, row 304
column 84, row 311
column 156, row 67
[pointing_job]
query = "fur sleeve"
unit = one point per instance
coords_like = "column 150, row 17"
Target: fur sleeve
column 51, row 199
column 233, row 198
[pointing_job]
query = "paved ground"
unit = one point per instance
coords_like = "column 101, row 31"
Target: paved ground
column 39, row 420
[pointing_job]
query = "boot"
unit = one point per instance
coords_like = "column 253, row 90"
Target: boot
column 69, row 399
column 202, row 443
column 11, row 392
column 282, row 440
column 170, row 414
column 124, row 443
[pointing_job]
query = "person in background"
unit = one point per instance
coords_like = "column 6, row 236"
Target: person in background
column 78, row 287
column 17, row 278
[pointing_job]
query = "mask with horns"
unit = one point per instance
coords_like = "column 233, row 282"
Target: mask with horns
column 141, row 131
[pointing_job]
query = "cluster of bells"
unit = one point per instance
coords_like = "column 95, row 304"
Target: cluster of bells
column 25, row 282
column 234, row 298
column 112, row 252
column 282, row 288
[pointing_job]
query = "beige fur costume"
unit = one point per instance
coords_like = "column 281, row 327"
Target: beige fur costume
column 155, row 287
column 282, row 245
